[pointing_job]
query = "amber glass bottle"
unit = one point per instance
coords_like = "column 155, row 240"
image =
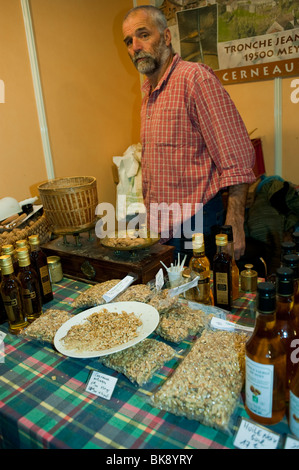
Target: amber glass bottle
column 265, row 380
column 27, row 276
column 222, row 274
column 12, row 297
column 200, row 266
column 294, row 405
column 39, row 262
column 231, row 251
column 285, row 317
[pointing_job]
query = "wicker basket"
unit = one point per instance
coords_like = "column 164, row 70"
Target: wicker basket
column 70, row 203
column 37, row 225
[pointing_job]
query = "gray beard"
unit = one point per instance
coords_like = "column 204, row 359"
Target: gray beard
column 151, row 63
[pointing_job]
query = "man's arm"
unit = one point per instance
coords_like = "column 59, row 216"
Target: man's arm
column 235, row 216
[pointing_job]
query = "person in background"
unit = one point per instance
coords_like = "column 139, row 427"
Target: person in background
column 194, row 142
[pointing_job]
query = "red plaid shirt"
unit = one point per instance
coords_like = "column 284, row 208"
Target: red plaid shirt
column 194, row 142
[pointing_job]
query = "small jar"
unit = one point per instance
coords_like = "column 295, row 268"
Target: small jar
column 55, row 269
column 249, row 279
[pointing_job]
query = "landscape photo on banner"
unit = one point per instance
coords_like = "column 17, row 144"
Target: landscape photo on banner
column 240, row 40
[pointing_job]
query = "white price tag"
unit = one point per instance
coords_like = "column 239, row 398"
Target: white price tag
column 101, row 385
column 253, row 436
column 291, row 443
column 120, row 287
column 159, row 280
column 221, row 324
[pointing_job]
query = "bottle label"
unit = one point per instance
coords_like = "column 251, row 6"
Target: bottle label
column 222, row 288
column 294, row 414
column 28, row 298
column 13, row 308
column 45, row 280
column 259, row 387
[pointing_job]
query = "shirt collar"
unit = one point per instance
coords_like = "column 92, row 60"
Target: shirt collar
column 147, row 86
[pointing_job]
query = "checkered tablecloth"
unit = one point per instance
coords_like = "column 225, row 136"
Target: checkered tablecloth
column 44, row 403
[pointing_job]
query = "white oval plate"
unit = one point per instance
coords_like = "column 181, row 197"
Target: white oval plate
column 147, row 314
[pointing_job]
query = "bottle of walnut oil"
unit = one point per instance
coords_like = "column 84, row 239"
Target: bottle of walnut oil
column 265, row 362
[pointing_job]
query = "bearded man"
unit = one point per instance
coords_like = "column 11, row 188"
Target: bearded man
column 194, row 142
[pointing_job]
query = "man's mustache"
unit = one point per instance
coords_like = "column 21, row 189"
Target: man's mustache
column 141, row 55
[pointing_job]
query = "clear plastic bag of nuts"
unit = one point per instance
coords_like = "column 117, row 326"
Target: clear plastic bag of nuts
column 207, row 384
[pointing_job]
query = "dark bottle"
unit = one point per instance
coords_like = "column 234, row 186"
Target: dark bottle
column 11, row 296
column 265, row 360
column 292, row 261
column 222, row 274
column 27, row 276
column 231, row 251
column 286, row 324
column 39, row 262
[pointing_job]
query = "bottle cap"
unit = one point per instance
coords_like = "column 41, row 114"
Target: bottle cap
column 266, row 297
column 292, row 261
column 285, row 281
column 7, row 249
column 229, row 232
column 23, row 256
column 21, row 243
column 198, row 241
column 221, row 239
column 6, row 264
column 187, row 273
column 288, row 247
column 34, row 239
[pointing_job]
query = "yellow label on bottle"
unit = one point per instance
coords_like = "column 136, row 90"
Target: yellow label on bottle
column 45, row 279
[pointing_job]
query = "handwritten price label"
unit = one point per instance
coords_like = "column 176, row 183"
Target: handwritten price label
column 101, row 385
column 253, row 436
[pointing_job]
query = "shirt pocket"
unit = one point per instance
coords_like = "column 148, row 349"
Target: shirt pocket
column 170, row 128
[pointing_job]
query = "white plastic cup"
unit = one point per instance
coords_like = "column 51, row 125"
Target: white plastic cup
column 175, row 278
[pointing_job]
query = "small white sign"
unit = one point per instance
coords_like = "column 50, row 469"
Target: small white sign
column 101, row 385
column 159, row 280
column 253, row 436
column 120, row 287
column 220, row 324
column 291, row 443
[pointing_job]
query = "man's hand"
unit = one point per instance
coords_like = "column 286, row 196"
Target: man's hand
column 235, row 216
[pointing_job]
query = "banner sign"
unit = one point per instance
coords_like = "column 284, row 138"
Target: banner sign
column 240, row 40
